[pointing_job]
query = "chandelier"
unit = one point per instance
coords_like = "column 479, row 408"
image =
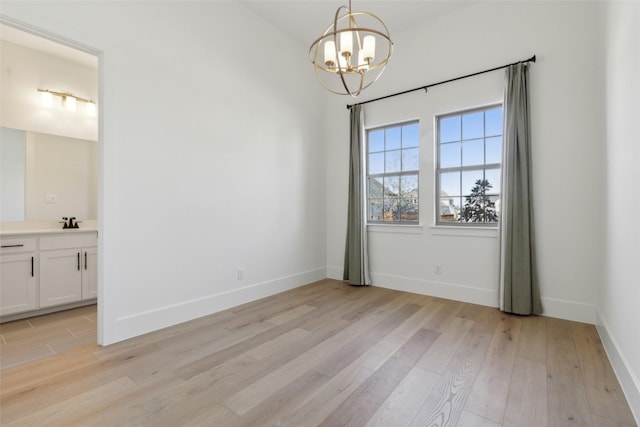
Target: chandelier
column 352, row 52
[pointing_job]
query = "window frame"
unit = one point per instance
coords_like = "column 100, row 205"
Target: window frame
column 400, row 174
column 480, row 167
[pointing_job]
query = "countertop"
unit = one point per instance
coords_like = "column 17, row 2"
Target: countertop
column 44, row 227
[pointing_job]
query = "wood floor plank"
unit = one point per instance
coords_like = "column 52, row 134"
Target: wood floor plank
column 281, row 402
column 405, row 400
column 604, row 392
column 527, row 398
column 357, row 346
column 291, row 314
column 439, row 354
column 319, row 405
column 567, row 399
column 469, row 419
column 532, row 344
column 365, row 400
column 446, row 400
column 57, row 414
column 216, row 415
column 488, row 397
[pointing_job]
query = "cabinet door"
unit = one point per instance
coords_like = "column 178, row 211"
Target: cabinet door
column 89, row 273
column 18, row 283
column 60, row 277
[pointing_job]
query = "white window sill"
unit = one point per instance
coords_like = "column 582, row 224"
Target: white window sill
column 464, row 231
column 395, row 228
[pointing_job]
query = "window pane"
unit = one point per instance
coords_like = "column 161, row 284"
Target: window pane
column 473, row 152
column 493, row 122
column 376, row 163
column 450, row 184
column 392, row 161
column 409, row 209
column 494, row 150
column 375, row 187
column 410, row 159
column 449, row 208
column 469, row 179
column 375, row 209
column 410, row 137
column 390, row 210
column 409, row 186
column 493, row 176
column 392, row 183
column 450, row 155
column 391, row 186
column 449, row 129
column 392, row 141
column 473, row 125
column 469, row 191
column 376, row 140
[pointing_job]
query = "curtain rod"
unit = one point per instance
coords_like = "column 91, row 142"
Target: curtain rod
column 425, row 87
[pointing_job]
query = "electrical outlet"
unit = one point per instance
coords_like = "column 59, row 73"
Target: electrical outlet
column 438, row 269
column 51, row 198
column 240, row 273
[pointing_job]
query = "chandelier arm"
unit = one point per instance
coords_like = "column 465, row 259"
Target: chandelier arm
column 335, row 45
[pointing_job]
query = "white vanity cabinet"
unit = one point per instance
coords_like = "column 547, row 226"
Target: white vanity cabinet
column 68, row 270
column 18, row 275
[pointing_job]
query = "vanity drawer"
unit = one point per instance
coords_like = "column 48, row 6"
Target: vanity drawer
column 12, row 245
column 69, row 242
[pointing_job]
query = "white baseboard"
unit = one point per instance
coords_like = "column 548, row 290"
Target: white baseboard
column 561, row 309
column 453, row 291
column 142, row 323
column 627, row 378
column 568, row 310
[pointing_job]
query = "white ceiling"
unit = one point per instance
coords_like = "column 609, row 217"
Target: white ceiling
column 303, row 20
column 306, row 20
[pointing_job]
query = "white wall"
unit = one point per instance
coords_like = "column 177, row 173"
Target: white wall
column 567, row 150
column 618, row 314
column 26, row 70
column 212, row 157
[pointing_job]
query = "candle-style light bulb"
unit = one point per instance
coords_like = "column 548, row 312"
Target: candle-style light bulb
column 330, row 53
column 369, row 48
column 346, row 43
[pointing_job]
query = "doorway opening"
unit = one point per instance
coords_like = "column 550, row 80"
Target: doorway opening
column 36, row 62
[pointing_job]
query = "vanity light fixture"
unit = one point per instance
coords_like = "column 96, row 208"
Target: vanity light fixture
column 352, row 52
column 69, row 101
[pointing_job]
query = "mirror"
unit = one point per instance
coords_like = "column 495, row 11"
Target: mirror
column 45, row 177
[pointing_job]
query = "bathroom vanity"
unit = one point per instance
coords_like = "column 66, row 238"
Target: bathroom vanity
column 45, row 268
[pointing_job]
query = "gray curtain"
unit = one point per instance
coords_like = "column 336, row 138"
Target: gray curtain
column 356, row 259
column 520, row 293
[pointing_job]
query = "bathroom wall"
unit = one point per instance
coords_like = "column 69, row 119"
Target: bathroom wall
column 25, row 70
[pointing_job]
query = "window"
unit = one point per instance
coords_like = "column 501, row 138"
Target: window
column 392, row 174
column 469, row 146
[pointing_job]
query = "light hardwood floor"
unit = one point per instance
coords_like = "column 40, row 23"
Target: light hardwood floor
column 328, row 354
